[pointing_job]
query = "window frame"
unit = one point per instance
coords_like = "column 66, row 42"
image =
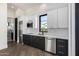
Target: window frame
column 40, row 22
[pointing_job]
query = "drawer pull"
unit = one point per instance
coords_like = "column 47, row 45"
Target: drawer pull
column 61, row 41
column 60, row 46
column 60, row 52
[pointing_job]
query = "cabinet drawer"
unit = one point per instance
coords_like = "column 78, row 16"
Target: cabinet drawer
column 61, row 49
column 61, row 42
column 61, row 46
column 60, row 53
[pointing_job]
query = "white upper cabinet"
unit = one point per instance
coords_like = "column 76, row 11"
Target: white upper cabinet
column 52, row 19
column 58, row 18
column 63, row 17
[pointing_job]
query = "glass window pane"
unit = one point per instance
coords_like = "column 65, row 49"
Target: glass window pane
column 44, row 23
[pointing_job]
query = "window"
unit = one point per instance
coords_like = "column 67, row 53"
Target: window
column 43, row 23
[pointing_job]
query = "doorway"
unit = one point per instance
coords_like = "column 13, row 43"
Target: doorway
column 20, row 32
column 16, row 25
column 10, row 30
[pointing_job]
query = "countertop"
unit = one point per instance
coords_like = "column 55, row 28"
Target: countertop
column 49, row 36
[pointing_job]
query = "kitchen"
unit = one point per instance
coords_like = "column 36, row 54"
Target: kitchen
column 46, row 29
column 55, row 37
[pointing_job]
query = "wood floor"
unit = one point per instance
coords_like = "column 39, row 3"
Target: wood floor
column 22, row 50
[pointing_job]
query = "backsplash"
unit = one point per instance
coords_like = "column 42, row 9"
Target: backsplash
column 60, row 32
column 31, row 30
column 54, row 32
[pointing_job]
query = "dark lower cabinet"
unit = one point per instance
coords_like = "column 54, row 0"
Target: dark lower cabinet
column 35, row 41
column 77, row 29
column 62, row 47
column 41, row 43
column 27, row 39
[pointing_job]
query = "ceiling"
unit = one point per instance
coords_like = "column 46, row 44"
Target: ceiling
column 24, row 6
column 35, row 6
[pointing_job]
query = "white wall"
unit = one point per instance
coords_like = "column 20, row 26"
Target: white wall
column 19, row 12
column 3, row 25
column 10, row 12
column 71, row 29
column 35, row 28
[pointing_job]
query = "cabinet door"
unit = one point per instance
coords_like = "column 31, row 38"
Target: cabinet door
column 76, row 29
column 52, row 19
column 34, row 40
column 27, row 39
column 38, row 42
column 41, row 43
column 63, row 17
column 62, row 47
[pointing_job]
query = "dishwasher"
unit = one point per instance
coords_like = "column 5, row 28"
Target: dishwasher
column 50, row 45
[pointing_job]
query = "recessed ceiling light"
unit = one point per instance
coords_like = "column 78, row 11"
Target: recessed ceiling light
column 43, row 6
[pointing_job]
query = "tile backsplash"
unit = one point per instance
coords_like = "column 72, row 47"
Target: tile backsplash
column 60, row 32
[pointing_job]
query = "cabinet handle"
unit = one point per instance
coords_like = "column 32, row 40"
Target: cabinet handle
column 60, row 41
column 60, row 46
column 60, row 52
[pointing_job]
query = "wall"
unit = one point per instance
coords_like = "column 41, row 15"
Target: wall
column 14, row 12
column 35, row 28
column 19, row 12
column 10, row 12
column 3, row 25
column 72, row 29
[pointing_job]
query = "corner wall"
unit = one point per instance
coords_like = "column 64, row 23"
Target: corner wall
column 3, row 25
column 71, row 29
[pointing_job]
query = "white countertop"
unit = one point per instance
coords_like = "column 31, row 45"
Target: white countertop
column 49, row 36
